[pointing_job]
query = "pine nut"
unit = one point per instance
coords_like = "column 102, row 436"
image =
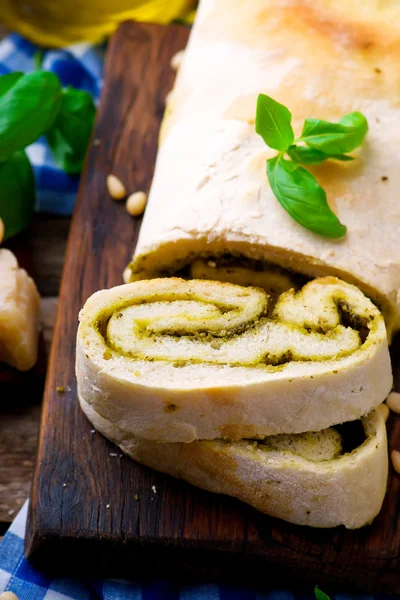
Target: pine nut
column 396, row 460
column 116, row 188
column 384, row 409
column 2, row 230
column 176, row 60
column 8, row 596
column 136, row 204
column 126, row 276
column 393, row 402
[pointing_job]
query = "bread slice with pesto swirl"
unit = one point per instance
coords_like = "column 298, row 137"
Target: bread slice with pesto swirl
column 322, row 479
column 177, row 361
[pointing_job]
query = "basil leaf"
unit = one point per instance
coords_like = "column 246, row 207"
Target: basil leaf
column 27, row 110
column 312, row 156
column 70, row 134
column 320, row 595
column 17, row 196
column 341, row 157
column 7, row 81
column 273, row 123
column 302, row 197
column 306, row 156
column 335, row 138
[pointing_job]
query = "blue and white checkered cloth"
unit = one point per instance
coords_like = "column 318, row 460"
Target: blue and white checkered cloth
column 18, row 576
column 81, row 66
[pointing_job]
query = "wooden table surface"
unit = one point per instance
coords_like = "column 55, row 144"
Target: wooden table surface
column 19, row 420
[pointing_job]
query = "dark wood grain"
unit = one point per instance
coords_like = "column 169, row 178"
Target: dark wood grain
column 84, row 517
column 19, row 426
column 48, row 236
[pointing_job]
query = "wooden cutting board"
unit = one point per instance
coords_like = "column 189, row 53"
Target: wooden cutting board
column 96, row 512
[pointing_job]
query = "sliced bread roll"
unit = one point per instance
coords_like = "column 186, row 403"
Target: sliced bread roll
column 19, row 314
column 318, row 479
column 210, row 196
column 176, row 361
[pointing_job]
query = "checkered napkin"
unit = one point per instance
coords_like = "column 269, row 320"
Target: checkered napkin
column 16, row 575
column 81, row 66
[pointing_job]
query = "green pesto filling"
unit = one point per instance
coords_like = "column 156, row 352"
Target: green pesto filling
column 181, row 267
column 273, row 362
column 322, row 446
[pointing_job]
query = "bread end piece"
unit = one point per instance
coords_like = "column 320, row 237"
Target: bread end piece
column 347, row 490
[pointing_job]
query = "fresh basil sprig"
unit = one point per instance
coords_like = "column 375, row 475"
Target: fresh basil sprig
column 297, row 189
column 274, row 123
column 312, row 156
column 302, row 197
column 335, row 138
column 33, row 105
column 70, row 133
column 27, row 109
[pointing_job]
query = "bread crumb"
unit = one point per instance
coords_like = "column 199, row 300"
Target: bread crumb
column 108, row 505
column 60, row 389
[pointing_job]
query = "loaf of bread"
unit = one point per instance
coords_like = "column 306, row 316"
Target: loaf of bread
column 210, row 197
column 247, row 355
column 308, row 479
column 19, row 314
column 176, row 361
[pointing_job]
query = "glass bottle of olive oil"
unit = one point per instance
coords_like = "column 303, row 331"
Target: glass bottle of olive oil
column 59, row 23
